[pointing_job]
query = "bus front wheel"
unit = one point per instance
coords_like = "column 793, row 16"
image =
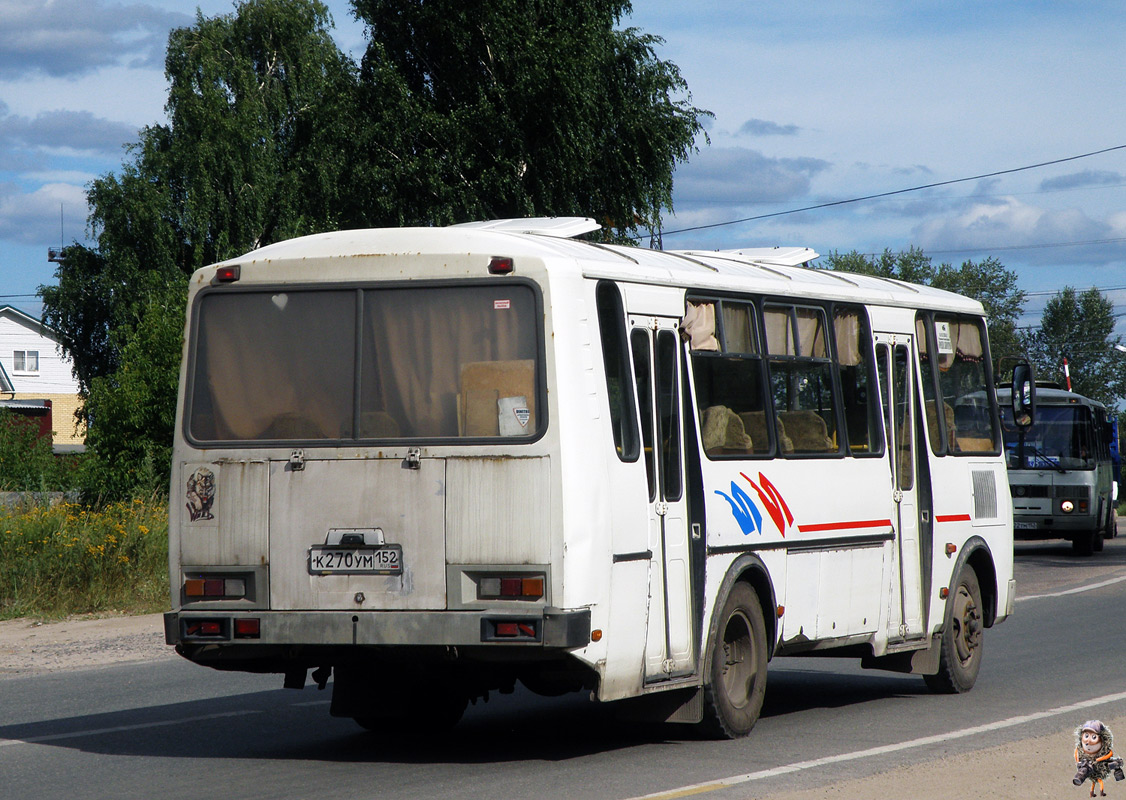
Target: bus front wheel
column 1083, row 543
column 736, row 680
column 961, row 645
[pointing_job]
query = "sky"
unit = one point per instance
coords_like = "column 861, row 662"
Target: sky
column 814, row 103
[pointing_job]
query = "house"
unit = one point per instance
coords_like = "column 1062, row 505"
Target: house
column 35, row 377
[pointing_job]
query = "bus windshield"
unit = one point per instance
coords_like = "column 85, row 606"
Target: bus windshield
column 326, row 366
column 1060, row 438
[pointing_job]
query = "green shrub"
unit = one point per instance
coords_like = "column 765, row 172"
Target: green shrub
column 69, row 559
column 27, row 462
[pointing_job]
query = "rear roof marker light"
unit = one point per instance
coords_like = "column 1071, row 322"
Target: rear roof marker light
column 501, row 265
column 227, row 274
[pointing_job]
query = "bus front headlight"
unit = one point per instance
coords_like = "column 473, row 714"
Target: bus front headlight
column 1067, row 506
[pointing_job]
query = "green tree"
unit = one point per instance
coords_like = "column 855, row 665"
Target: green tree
column 987, row 281
column 911, row 265
column 260, row 110
column 517, row 108
column 459, row 111
column 133, row 409
column 1080, row 328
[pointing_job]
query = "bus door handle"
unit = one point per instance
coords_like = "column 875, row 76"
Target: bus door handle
column 696, row 532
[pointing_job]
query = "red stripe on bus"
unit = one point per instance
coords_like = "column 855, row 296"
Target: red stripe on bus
column 840, row 526
column 951, row 517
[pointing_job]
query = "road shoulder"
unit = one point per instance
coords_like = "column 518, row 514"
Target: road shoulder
column 30, row 647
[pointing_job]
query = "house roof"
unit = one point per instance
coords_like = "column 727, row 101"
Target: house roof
column 29, row 321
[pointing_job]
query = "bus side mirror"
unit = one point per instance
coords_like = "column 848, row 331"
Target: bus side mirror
column 1024, row 395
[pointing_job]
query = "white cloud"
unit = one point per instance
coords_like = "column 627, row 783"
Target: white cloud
column 71, row 37
column 32, row 218
column 738, row 177
column 1033, row 235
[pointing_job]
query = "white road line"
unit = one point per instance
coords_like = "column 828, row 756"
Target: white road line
column 121, row 728
column 1078, row 590
column 1011, row 722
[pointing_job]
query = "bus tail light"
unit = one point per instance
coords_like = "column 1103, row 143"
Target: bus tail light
column 510, row 587
column 214, row 587
column 227, row 274
column 507, row 629
column 203, row 629
column 247, row 628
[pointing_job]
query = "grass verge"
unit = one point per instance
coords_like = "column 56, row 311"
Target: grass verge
column 69, row 559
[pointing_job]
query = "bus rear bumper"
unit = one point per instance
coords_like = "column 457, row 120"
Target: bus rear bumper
column 548, row 628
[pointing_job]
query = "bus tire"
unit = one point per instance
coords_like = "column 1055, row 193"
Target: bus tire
column 1083, row 543
column 736, row 675
column 961, row 645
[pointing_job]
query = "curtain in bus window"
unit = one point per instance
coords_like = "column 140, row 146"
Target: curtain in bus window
column 811, row 333
column 273, row 366
column 698, row 325
column 846, row 326
column 779, row 332
column 448, row 361
column 738, row 328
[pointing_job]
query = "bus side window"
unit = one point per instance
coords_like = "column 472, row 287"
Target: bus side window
column 960, row 368
column 860, row 400
column 728, row 372
column 801, row 378
column 619, row 383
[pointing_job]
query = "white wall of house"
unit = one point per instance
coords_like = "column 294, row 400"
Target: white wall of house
column 51, row 377
column 20, row 334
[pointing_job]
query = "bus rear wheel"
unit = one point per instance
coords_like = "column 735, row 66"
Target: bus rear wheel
column 736, row 678
column 961, row 646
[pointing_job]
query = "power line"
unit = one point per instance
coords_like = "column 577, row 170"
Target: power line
column 1024, row 246
column 1047, row 292
column 895, row 192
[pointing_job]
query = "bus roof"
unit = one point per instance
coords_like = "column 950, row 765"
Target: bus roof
column 770, row 270
column 1055, row 397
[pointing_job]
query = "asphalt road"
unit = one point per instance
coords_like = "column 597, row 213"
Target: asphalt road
column 174, row 730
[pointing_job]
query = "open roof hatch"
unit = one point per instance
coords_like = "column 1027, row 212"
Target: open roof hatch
column 562, row 227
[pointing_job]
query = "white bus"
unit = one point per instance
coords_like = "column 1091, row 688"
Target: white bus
column 433, row 462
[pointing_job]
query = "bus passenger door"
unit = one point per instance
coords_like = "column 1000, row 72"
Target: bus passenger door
column 898, row 387
column 669, row 649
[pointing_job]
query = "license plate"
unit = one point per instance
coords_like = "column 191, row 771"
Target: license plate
column 1024, row 526
column 383, row 559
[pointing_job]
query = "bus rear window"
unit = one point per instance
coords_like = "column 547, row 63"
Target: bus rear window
column 327, row 366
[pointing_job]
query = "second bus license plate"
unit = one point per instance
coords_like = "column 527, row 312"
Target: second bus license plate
column 383, row 559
